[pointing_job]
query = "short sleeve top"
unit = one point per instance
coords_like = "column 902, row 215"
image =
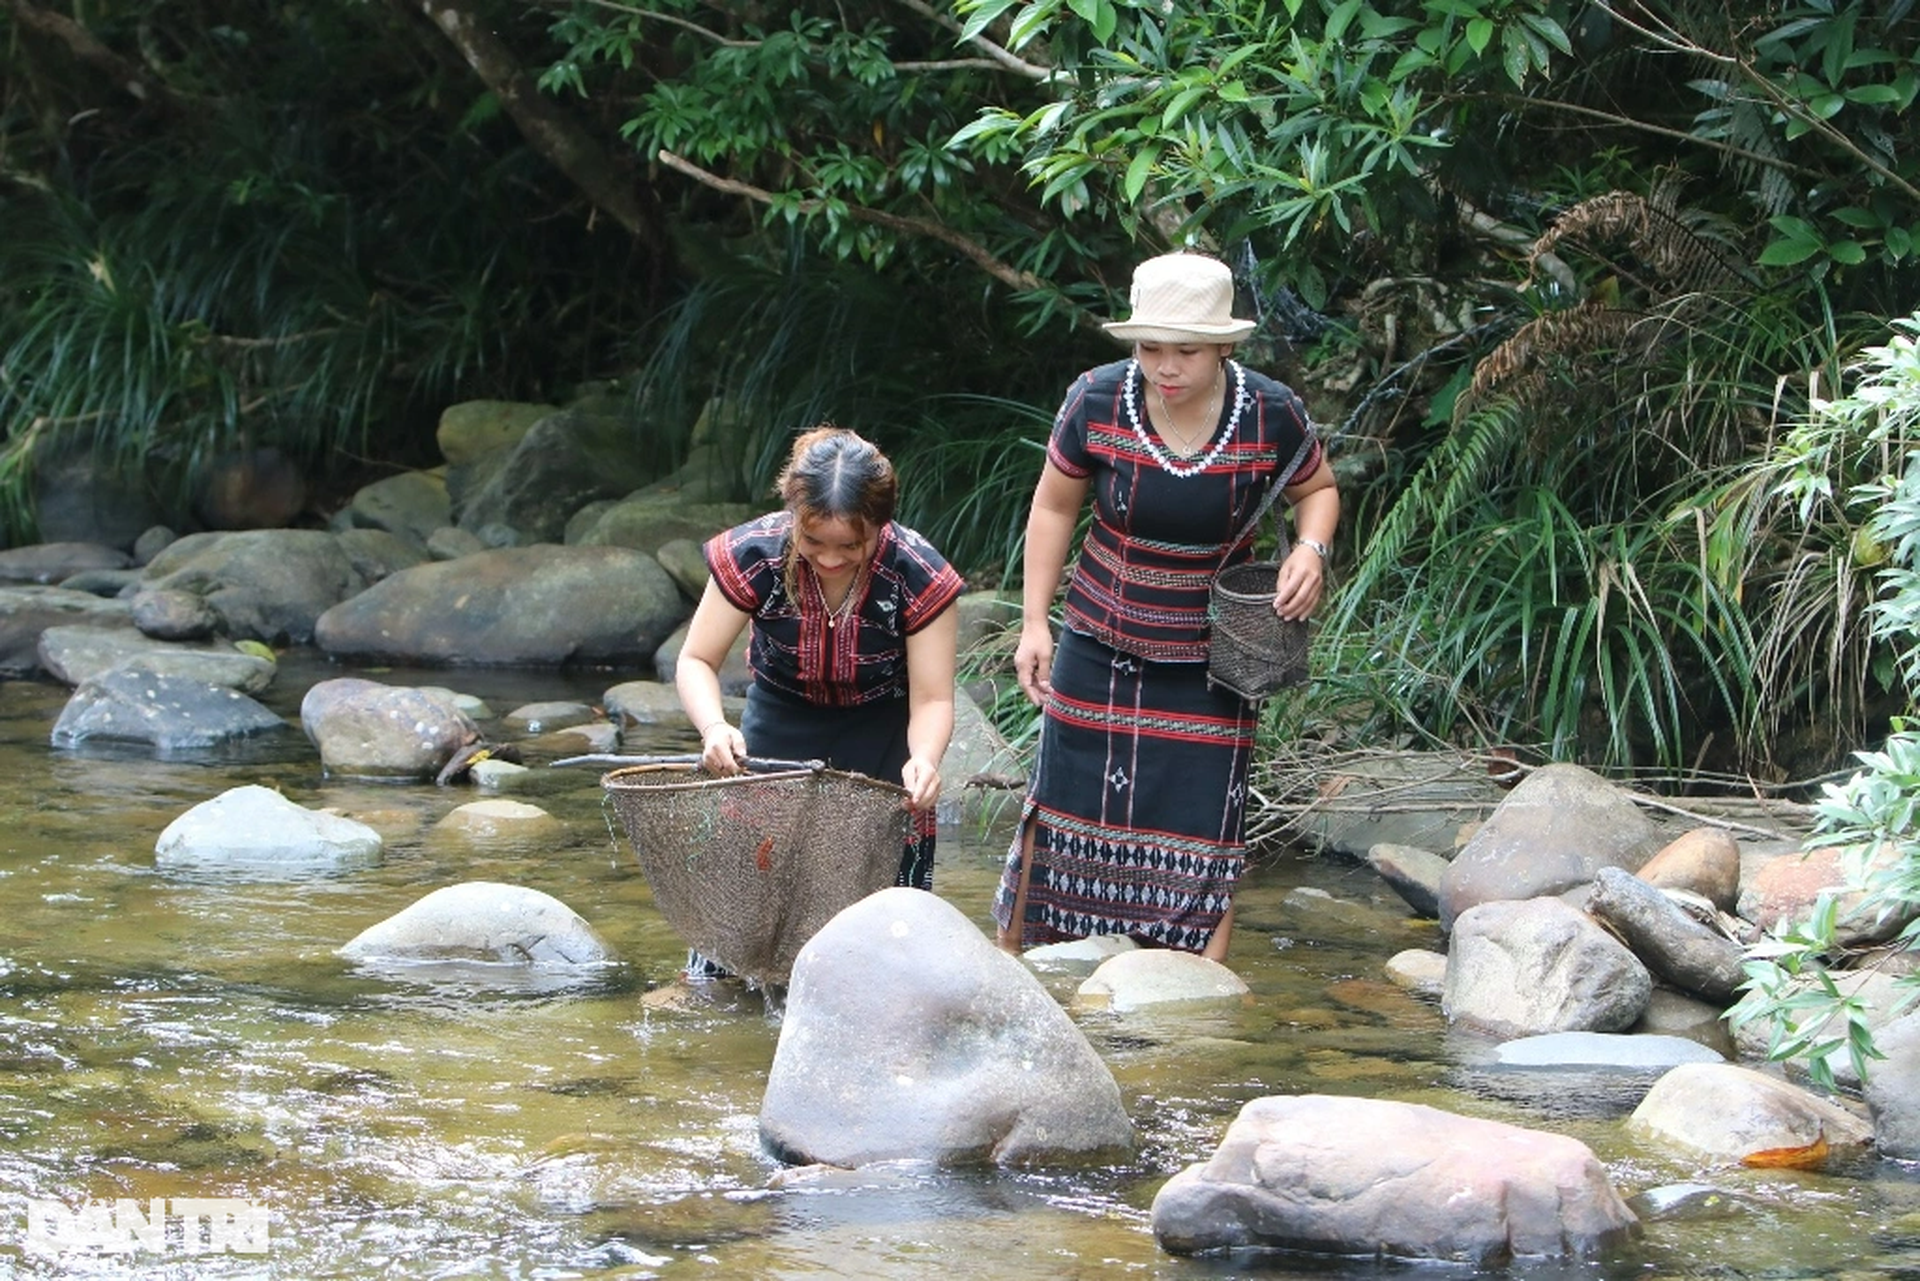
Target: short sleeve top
column 1157, row 539
column 793, row 652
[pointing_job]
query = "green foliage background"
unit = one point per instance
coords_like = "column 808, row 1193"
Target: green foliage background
column 1559, row 278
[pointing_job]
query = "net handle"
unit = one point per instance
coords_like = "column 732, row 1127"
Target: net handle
column 755, row 764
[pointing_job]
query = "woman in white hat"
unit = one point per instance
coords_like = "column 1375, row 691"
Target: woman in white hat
column 1134, row 821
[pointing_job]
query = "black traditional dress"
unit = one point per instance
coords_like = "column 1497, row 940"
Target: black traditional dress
column 1138, row 799
column 828, row 688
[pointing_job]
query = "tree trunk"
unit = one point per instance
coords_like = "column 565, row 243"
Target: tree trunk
column 548, row 130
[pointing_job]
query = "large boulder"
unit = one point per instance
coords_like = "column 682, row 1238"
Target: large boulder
column 268, row 584
column 1788, row 889
column 986, row 616
column 565, row 461
column 1540, row 966
column 1422, row 799
column 981, row 772
column 1414, row 874
column 81, row 496
column 79, row 653
column 1725, row 1112
column 449, row 543
column 173, row 713
column 477, row 429
column 259, row 488
column 909, row 1036
column 483, row 921
column 520, row 606
column 1675, row 946
column 714, row 471
column 1893, row 1089
column 1703, row 861
column 411, row 504
column 57, row 562
column 27, row 612
column 174, row 615
column 365, row 729
column 256, row 828
column 736, row 676
column 644, row 521
column 1556, row 829
column 648, row 703
column 1373, row 1178
column 377, row 553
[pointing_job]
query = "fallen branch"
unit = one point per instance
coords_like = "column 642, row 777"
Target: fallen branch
column 1269, row 819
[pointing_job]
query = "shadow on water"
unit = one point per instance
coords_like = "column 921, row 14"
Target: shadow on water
column 170, row 1034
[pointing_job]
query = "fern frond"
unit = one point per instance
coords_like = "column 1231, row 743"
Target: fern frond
column 1521, row 367
column 1459, row 469
column 1679, row 248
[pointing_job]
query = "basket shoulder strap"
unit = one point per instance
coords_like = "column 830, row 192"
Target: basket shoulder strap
column 1266, row 504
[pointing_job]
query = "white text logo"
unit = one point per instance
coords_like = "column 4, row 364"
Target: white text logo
column 180, row 1225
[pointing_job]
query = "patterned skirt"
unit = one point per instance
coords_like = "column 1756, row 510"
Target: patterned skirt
column 1137, row 805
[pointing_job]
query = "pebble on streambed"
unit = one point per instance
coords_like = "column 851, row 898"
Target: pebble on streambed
column 499, row 819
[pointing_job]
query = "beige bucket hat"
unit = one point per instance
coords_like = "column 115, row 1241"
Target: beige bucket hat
column 1181, row 297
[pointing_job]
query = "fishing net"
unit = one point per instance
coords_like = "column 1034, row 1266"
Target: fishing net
column 747, row 868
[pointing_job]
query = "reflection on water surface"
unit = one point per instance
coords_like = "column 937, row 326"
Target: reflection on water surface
column 194, row 1035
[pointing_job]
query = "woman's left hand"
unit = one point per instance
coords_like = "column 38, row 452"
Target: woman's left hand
column 922, row 780
column 1302, row 579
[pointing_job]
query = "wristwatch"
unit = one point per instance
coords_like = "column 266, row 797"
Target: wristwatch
column 1320, row 549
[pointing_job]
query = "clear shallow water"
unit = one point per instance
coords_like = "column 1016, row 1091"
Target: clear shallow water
column 167, row 1036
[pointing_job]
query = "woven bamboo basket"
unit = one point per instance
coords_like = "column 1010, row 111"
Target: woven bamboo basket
column 1253, row 651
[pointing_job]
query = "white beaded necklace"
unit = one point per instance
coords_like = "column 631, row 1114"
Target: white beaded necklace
column 1200, row 464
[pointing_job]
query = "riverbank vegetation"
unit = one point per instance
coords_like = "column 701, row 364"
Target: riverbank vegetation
column 1562, row 280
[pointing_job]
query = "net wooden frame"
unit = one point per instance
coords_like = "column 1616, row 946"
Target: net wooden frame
column 747, row 868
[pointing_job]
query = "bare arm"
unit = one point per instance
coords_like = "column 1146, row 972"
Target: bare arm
column 696, row 677
column 930, row 666
column 1057, row 500
column 1303, row 575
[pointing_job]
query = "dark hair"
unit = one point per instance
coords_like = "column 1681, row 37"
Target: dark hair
column 835, row 474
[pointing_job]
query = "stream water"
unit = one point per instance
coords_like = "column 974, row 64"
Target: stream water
column 166, row 1036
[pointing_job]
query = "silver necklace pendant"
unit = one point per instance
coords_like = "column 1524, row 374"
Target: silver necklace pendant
column 836, row 614
column 1190, row 444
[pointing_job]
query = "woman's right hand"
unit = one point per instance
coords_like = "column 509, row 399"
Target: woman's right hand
column 722, row 750
column 1033, row 662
